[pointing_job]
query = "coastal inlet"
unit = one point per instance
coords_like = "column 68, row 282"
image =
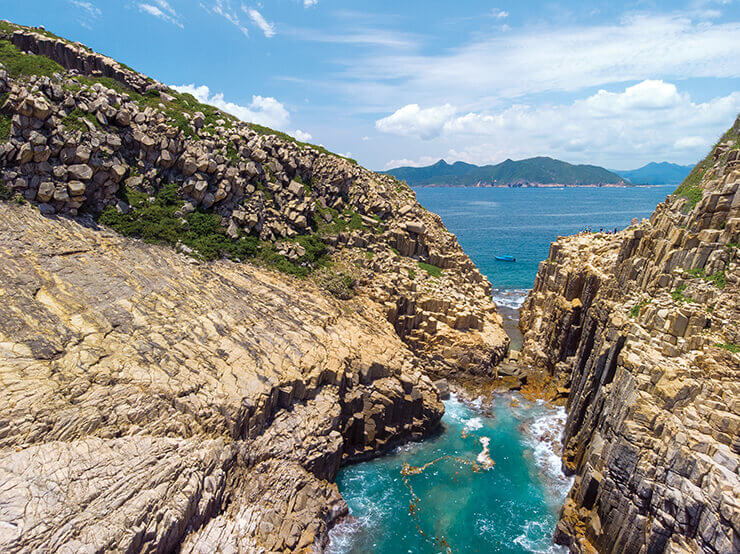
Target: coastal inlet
column 489, row 482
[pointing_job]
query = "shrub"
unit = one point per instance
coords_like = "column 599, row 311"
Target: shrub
column 718, row 279
column 637, row 308
column 340, row 284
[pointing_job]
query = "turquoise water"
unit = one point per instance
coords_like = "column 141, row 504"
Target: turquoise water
column 513, row 506
column 509, row 507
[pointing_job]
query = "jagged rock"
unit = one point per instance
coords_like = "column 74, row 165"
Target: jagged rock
column 631, row 329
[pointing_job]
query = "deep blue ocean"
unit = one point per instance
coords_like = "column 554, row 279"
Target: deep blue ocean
column 443, row 495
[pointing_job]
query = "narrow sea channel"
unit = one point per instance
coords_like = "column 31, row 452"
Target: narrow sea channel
column 457, row 503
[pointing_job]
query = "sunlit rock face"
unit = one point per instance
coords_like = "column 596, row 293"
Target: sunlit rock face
column 640, row 331
column 156, row 401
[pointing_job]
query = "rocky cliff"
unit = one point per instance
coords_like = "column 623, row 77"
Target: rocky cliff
column 641, row 332
column 202, row 319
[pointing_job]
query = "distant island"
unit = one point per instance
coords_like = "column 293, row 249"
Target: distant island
column 533, row 172
column 656, row 173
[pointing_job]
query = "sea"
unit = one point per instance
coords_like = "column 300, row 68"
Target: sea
column 491, row 480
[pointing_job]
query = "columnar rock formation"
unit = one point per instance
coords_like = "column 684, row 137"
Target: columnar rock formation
column 154, row 401
column 640, row 331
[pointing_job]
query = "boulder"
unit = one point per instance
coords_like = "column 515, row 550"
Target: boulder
column 81, row 172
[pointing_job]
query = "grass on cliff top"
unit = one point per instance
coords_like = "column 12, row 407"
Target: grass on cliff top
column 157, row 221
column 690, row 188
column 262, row 130
column 19, row 64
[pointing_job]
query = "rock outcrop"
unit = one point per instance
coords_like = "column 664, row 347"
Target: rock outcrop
column 640, row 331
column 91, row 134
column 149, row 402
column 154, row 401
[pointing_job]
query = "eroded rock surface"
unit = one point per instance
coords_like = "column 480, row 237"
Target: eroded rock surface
column 640, row 331
column 150, row 401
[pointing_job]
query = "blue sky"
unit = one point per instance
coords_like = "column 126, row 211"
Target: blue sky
column 617, row 84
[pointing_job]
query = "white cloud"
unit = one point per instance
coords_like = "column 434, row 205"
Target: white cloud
column 224, row 9
column 88, row 12
column 538, row 58
column 411, row 120
column 405, row 162
column 689, row 143
column 262, row 110
column 162, row 10
column 302, row 135
column 309, row 3
column 499, row 14
column 267, row 28
column 87, row 7
column 611, row 128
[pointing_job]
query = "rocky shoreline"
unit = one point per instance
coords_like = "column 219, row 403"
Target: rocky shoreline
column 639, row 331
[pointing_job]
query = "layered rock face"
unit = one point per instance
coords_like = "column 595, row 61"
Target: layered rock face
column 75, row 144
column 155, row 402
column 150, row 402
column 640, row 331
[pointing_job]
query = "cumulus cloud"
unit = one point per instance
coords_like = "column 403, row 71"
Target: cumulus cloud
column 411, row 120
column 640, row 122
column 162, row 10
column 267, row 28
column 499, row 14
column 309, row 3
column 263, row 110
column 302, row 135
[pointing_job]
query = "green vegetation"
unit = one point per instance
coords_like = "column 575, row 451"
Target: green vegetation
column 5, row 123
column 691, row 186
column 19, row 64
column 74, row 121
column 432, row 270
column 339, row 283
column 348, row 220
column 730, row 347
column 679, row 296
column 262, row 130
column 637, row 308
column 719, row 278
column 5, row 193
column 158, row 221
column 412, row 274
column 532, row 170
column 231, row 152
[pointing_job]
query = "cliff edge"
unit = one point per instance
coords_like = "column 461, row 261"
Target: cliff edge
column 201, row 319
column 640, row 331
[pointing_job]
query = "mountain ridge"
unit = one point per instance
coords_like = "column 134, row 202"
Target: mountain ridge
column 529, row 172
column 656, row 173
